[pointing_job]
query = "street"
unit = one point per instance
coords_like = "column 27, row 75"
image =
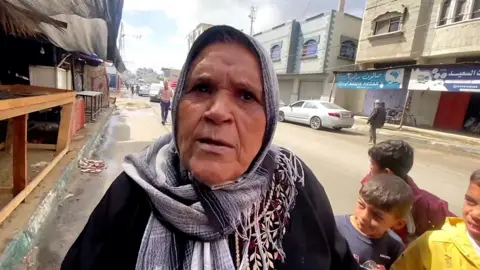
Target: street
column 338, row 159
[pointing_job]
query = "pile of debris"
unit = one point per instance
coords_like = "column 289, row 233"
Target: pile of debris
column 91, row 165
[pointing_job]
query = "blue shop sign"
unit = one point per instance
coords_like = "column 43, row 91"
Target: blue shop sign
column 454, row 79
column 375, row 80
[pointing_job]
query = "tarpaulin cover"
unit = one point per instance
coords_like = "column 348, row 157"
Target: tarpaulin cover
column 92, row 25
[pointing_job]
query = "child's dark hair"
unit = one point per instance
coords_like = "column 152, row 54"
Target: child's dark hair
column 395, row 155
column 388, row 193
column 475, row 177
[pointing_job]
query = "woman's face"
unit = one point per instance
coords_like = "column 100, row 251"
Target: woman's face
column 221, row 117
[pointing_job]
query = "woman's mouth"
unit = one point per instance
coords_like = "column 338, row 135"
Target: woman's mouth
column 214, row 146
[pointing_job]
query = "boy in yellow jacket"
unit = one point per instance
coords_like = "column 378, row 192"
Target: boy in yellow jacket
column 455, row 246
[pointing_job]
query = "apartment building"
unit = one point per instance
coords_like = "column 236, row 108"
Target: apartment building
column 196, row 33
column 305, row 52
column 425, row 44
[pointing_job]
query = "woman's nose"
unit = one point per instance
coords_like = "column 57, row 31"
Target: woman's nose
column 220, row 108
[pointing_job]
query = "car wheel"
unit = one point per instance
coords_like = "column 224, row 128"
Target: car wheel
column 316, row 123
column 281, row 116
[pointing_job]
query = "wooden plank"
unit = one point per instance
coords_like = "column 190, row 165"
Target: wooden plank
column 64, row 129
column 42, row 146
column 5, row 114
column 9, row 138
column 8, row 104
column 19, row 153
column 17, row 200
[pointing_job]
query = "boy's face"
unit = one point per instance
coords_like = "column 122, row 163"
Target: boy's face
column 471, row 211
column 373, row 222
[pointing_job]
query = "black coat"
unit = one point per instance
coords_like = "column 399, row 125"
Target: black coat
column 112, row 237
column 378, row 117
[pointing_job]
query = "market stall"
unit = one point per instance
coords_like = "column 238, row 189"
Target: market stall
column 16, row 102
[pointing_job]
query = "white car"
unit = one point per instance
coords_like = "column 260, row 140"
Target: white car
column 144, row 90
column 317, row 114
column 155, row 91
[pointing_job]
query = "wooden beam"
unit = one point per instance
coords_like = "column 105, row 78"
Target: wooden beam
column 9, row 104
column 16, row 111
column 42, row 146
column 64, row 129
column 17, row 200
column 19, row 153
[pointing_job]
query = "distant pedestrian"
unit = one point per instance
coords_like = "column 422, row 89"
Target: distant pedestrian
column 132, row 88
column 376, row 120
column 166, row 95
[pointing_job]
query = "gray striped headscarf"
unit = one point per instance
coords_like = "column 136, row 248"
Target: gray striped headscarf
column 190, row 223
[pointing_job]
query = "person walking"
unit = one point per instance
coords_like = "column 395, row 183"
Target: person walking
column 215, row 193
column 166, row 95
column 132, row 88
column 376, row 120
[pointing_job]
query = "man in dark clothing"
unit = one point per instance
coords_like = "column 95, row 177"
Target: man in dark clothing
column 376, row 120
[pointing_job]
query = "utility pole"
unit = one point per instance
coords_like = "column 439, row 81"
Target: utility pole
column 252, row 16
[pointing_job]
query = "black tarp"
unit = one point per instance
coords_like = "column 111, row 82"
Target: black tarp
column 92, row 25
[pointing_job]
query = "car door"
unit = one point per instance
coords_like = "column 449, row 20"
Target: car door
column 293, row 110
column 306, row 111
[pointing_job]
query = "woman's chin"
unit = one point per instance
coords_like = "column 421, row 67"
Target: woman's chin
column 212, row 173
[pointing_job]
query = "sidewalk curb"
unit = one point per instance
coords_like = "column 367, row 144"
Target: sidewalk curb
column 20, row 245
column 471, row 149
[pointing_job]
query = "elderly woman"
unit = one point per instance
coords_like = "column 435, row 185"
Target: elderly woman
column 215, row 194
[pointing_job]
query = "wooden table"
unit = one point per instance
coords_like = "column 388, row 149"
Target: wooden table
column 93, row 103
column 16, row 102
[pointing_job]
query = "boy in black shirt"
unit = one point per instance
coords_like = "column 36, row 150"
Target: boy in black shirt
column 383, row 203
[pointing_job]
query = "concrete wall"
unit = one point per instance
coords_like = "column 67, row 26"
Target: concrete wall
column 454, row 38
column 317, row 28
column 392, row 46
column 424, row 107
column 278, row 35
column 348, row 27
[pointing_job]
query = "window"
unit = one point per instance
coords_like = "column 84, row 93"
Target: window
column 348, row 49
column 444, row 12
column 460, row 10
column 331, row 106
column 310, row 48
column 476, row 9
column 310, row 105
column 275, row 52
column 387, row 26
column 297, row 104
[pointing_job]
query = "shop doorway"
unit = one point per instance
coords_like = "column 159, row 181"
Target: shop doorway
column 472, row 116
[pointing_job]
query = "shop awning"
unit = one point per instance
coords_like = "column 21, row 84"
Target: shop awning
column 92, row 25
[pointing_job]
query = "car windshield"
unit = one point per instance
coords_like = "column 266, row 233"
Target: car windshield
column 330, row 106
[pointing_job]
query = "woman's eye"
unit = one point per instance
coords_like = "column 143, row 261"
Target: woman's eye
column 202, row 88
column 247, row 96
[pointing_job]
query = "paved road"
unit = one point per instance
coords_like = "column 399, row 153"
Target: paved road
column 338, row 159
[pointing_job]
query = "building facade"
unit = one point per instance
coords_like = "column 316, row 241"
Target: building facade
column 196, row 33
column 435, row 34
column 304, row 53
